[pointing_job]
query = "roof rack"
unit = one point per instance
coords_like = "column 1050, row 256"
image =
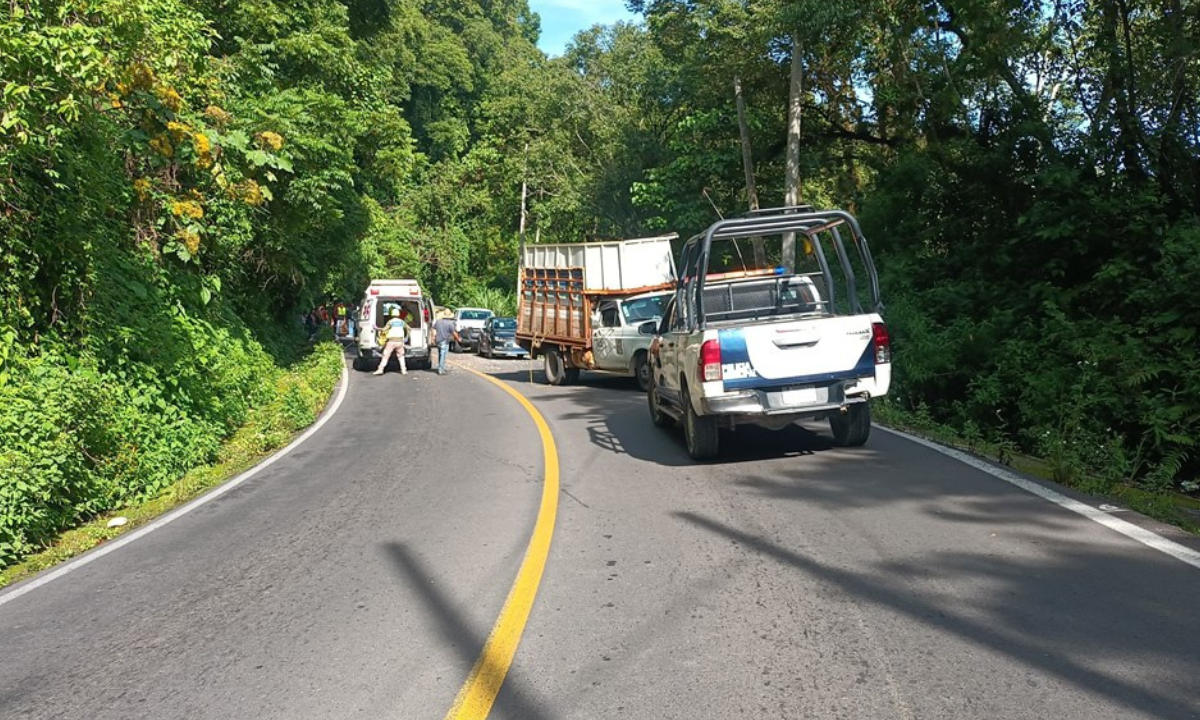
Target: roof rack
column 786, row 209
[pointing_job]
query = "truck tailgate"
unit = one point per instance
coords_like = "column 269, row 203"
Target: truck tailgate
column 819, row 350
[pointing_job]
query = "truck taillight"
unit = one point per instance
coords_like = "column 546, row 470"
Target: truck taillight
column 883, row 343
column 710, row 360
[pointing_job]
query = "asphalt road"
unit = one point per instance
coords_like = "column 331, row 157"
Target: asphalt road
column 360, row 575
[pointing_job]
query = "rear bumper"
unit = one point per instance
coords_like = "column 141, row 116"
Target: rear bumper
column 409, row 352
column 779, row 405
column 517, row 351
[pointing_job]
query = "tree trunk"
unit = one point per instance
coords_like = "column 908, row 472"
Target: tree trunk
column 760, row 250
column 793, row 195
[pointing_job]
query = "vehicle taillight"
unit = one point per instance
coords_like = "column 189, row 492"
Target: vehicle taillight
column 883, row 343
column 710, row 360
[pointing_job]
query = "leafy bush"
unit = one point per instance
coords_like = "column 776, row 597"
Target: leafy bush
column 501, row 302
column 81, row 434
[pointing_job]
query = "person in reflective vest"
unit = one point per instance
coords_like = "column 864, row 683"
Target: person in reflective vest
column 396, row 332
column 341, row 319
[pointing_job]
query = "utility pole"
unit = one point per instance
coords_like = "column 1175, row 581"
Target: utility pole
column 760, row 250
column 792, row 171
column 521, row 227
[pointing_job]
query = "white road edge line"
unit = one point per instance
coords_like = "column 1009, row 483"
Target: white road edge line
column 124, row 540
column 1146, row 537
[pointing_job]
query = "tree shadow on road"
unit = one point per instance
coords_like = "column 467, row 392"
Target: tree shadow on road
column 1069, row 614
column 454, row 630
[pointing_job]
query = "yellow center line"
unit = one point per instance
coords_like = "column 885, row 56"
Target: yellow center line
column 475, row 699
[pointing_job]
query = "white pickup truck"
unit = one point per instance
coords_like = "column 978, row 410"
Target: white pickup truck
column 767, row 326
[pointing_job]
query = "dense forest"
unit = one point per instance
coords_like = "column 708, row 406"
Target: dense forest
column 179, row 179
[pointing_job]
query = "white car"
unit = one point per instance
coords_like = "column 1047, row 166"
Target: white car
column 469, row 324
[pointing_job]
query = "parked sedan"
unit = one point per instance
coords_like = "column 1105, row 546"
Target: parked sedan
column 499, row 337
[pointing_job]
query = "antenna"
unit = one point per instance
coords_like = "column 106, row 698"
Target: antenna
column 710, row 202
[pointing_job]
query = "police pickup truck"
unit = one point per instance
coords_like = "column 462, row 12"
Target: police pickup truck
column 774, row 319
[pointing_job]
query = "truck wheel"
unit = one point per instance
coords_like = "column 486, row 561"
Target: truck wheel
column 641, row 371
column 853, row 427
column 657, row 416
column 552, row 364
column 699, row 431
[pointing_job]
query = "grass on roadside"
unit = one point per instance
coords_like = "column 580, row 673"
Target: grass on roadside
column 301, row 392
column 1172, row 508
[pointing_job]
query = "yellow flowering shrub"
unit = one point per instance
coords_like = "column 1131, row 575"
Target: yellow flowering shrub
column 251, row 193
column 271, row 140
column 217, row 114
column 169, row 98
column 187, row 209
column 161, row 144
column 141, row 186
column 190, row 240
column 202, row 144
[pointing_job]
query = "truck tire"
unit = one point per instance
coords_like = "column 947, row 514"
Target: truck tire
column 657, row 416
column 571, row 376
column 641, row 371
column 853, row 427
column 699, row 431
column 553, row 367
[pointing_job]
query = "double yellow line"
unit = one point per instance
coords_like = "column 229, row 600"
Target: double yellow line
column 478, row 693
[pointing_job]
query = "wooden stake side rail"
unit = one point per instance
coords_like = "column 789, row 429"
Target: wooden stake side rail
column 553, row 307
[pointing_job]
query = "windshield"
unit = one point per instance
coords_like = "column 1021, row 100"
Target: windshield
column 640, row 310
column 474, row 314
column 504, row 324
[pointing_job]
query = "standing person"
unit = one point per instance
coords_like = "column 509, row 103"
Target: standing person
column 443, row 331
column 341, row 319
column 397, row 333
column 310, row 324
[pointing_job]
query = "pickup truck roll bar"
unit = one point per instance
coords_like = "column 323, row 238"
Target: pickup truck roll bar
column 802, row 220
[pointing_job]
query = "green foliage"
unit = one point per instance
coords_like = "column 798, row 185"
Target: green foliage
column 501, row 302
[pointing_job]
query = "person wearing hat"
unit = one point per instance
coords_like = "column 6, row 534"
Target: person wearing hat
column 396, row 332
column 443, row 331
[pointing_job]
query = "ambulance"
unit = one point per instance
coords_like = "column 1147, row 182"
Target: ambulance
column 415, row 308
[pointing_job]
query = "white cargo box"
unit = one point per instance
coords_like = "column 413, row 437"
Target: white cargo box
column 610, row 266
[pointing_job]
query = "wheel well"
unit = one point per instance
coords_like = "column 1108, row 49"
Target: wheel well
column 636, row 355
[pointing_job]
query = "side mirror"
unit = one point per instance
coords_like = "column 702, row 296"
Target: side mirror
column 650, row 327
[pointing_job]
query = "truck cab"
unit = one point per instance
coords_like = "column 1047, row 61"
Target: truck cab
column 775, row 318
column 618, row 343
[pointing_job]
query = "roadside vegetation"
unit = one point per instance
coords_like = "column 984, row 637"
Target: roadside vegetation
column 293, row 398
column 179, row 180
